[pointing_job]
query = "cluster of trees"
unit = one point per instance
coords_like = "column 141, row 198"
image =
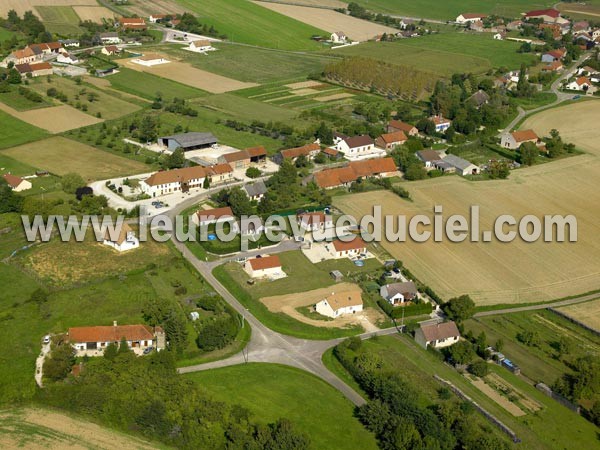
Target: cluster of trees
column 30, row 95
column 377, row 76
column 555, row 146
column 190, row 23
column 582, row 383
column 145, row 395
column 175, row 106
column 29, row 25
column 396, row 414
column 165, row 313
column 220, row 330
column 409, row 164
column 9, row 200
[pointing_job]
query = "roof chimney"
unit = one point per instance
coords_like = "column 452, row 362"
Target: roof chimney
column 114, row 323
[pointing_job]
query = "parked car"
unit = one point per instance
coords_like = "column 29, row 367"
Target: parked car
column 148, row 350
column 46, row 339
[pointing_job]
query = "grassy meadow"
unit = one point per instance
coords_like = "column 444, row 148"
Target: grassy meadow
column 62, row 20
column 16, row 132
column 271, row 391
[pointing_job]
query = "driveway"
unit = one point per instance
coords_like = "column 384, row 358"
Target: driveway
column 39, row 364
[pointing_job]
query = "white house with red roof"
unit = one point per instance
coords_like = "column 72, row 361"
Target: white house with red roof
column 348, row 249
column 470, row 17
column 314, row 221
column 583, row 84
column 441, row 123
column 124, row 240
column 339, row 37
column 550, row 15
column 16, row 183
column 264, row 267
column 357, row 147
column 515, row 139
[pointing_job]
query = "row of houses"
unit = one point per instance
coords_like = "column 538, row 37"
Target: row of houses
column 33, row 53
column 344, row 176
column 184, row 179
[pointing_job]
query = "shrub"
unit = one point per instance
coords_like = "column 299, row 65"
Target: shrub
column 479, row 368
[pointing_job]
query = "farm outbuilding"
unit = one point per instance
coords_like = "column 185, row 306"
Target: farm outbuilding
column 188, row 141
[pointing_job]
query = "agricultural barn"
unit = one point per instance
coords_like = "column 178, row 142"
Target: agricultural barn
column 92, row 341
column 126, row 239
column 36, row 70
column 188, row 141
column 390, row 140
column 308, row 150
column 437, row 335
column 458, row 165
column 132, row 23
column 336, row 305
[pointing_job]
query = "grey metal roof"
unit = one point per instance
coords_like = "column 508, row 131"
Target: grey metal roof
column 192, row 139
column 442, row 165
column 457, row 162
column 254, row 189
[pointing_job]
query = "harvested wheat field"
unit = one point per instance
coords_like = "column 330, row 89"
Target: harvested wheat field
column 288, row 303
column 54, row 119
column 329, row 20
column 303, row 84
column 587, row 313
column 93, row 13
column 60, row 155
column 516, row 272
column 20, row 6
column 187, row 74
column 36, row 428
column 328, row 98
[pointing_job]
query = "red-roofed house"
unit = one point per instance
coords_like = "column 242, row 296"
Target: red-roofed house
column 308, row 150
column 168, row 181
column 398, row 125
column 92, row 341
column 516, row 138
column 357, row 147
column 352, row 249
column 553, row 55
column 124, row 241
column 132, row 23
column 546, row 15
column 206, row 217
column 339, row 303
column 583, row 84
column 264, row 267
column 388, row 141
column 314, row 221
column 35, row 69
column 343, row 176
column 16, row 183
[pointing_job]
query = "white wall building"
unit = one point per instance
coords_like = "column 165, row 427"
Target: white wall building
column 125, row 241
column 437, row 335
column 264, row 267
column 338, row 304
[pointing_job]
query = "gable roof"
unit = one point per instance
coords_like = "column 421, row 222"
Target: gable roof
column 191, row 139
column 266, row 262
column 111, row 333
column 428, row 155
column 341, row 175
column 256, row 188
column 407, row 287
column 219, row 169
column 524, row 135
column 457, row 162
column 558, row 54
column 25, row 53
column 359, row 141
column 583, row 80
column 312, row 218
column 13, row 180
column 202, row 43
column 112, row 49
column 473, row 16
column 334, row 177
column 401, row 126
column 439, row 120
column 397, row 136
column 298, row 151
column 214, row 214
column 551, row 12
column 355, row 244
column 236, row 156
column 132, row 21
column 344, row 299
column 330, row 151
column 186, row 174
column 480, row 97
column 122, row 234
column 256, row 151
column 439, row 331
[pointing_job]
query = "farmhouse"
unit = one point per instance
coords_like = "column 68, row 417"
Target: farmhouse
column 67, row 58
column 437, row 335
column 553, row 55
column 132, row 23
column 237, row 160
column 331, row 153
column 188, row 141
column 200, row 46
column 264, row 267
column 308, row 150
column 205, row 217
column 556, row 66
column 357, row 147
column 441, row 124
column 36, row 70
column 500, row 36
column 469, row 17
column 46, row 48
column 388, row 141
column 110, row 50
column 16, row 183
column 314, row 221
column 339, row 37
column 458, row 165
column 255, row 191
column 546, row 15
column 110, row 37
column 21, row 57
column 126, row 239
column 428, row 157
column 343, row 176
column 398, row 125
column 168, row 181
column 583, row 84
column 399, row 293
column 92, row 341
column 516, row 138
column 351, row 249
column 150, row 59
column 336, row 305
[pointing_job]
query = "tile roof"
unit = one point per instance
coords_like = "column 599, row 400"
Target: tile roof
column 524, row 135
column 186, row 174
column 551, row 12
column 439, row 331
column 401, row 126
column 407, row 289
column 266, row 262
column 132, row 21
column 473, row 15
column 335, row 177
column 344, row 299
column 214, row 214
column 397, row 136
column 312, row 218
column 236, row 156
column 13, row 180
column 298, row 151
column 428, row 155
column 359, row 141
column 202, row 43
column 122, row 234
column 355, row 244
column 331, row 151
column 110, row 333
column 256, row 151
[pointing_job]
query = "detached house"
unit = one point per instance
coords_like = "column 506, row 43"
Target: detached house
column 351, row 249
column 110, row 50
column 126, row 239
column 255, row 191
column 553, row 55
column 67, row 58
column 399, row 293
column 314, row 221
column 21, row 57
column 583, row 84
column 339, row 37
column 441, row 124
column 516, row 138
column 206, row 217
column 437, row 335
column 357, row 147
column 479, row 98
column 264, row 267
column 201, row 46
column 338, row 304
column 470, row 17
column 92, row 341
column 428, row 157
column 16, row 183
column 343, row 176
column 111, row 37
column 388, row 141
column 398, row 125
column 308, row 150
column 546, row 15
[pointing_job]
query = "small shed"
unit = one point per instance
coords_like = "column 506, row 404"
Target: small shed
column 194, row 316
column 336, row 275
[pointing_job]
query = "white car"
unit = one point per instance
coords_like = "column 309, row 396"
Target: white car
column 46, row 339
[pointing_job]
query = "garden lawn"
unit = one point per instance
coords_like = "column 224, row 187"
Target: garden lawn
column 272, row 391
column 15, row 132
column 147, row 85
column 244, row 21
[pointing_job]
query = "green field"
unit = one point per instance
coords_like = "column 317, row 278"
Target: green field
column 552, row 427
column 271, row 391
column 255, row 65
column 445, row 54
column 147, row 85
column 5, row 34
column 432, row 9
column 244, row 21
column 62, row 20
column 15, row 132
column 19, row 102
column 542, row 362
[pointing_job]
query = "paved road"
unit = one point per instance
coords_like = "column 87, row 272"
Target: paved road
column 571, row 301
column 555, row 89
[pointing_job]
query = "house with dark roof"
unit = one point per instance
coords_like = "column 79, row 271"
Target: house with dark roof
column 437, row 335
column 399, row 293
column 255, row 191
column 479, row 98
column 357, row 147
column 428, row 157
column 35, row 69
column 456, row 165
column 188, row 141
column 398, row 125
column 92, row 341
